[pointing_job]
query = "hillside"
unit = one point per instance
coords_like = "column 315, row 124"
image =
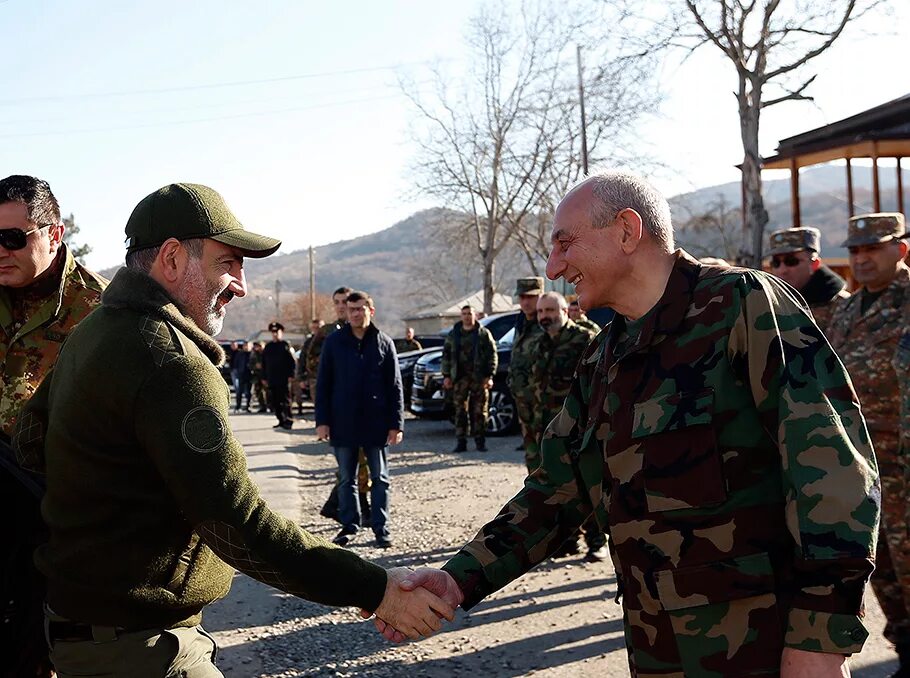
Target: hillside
column 405, row 266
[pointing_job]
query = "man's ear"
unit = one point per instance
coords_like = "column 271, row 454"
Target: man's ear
column 630, row 225
column 904, row 248
column 55, row 235
column 816, row 264
column 171, row 260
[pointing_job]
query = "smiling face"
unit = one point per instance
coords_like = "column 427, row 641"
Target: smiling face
column 209, row 284
column 874, row 266
column 589, row 258
column 20, row 268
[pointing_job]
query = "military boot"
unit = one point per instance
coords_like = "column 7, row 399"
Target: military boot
column 481, row 443
column 366, row 516
column 461, row 445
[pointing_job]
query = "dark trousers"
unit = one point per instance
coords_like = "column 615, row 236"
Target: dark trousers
column 279, row 400
column 244, row 390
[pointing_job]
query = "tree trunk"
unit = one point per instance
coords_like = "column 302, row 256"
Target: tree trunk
column 756, row 216
column 489, row 265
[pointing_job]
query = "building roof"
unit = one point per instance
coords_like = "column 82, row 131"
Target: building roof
column 446, row 309
column 882, row 131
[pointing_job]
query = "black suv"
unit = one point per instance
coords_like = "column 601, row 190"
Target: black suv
column 429, row 399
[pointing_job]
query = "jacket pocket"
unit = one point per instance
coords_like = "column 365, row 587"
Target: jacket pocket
column 179, row 572
column 725, row 615
column 682, row 467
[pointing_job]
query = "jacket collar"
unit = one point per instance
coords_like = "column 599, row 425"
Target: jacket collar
column 138, row 291
column 823, row 286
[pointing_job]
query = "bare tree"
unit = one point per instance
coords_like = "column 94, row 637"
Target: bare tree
column 770, row 44
column 69, row 232
column 710, row 232
column 296, row 312
column 492, row 143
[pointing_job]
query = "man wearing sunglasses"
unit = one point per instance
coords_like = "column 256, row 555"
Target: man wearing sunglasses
column 871, row 333
column 795, row 259
column 44, row 293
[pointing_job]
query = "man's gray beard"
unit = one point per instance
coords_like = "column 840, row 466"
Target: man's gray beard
column 198, row 300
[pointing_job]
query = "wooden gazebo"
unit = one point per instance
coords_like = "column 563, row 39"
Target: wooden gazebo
column 880, row 132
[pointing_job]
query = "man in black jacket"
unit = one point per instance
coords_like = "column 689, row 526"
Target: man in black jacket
column 278, row 369
column 360, row 403
column 795, row 259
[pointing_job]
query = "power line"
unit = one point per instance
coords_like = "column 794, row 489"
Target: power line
column 206, row 86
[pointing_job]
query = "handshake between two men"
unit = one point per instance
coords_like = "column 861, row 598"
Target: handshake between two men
column 415, row 603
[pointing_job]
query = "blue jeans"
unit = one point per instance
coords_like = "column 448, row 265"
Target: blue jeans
column 349, row 502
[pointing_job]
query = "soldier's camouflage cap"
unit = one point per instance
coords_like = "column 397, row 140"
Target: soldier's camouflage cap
column 186, row 211
column 532, row 285
column 868, row 229
column 789, row 240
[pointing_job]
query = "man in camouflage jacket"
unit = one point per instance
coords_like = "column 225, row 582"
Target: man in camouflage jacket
column 469, row 362
column 44, row 294
column 314, row 350
column 528, row 290
column 577, row 316
column 713, row 433
column 871, row 333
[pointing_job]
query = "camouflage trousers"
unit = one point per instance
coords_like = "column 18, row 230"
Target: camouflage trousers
column 540, row 419
column 261, row 393
column 524, row 406
column 471, row 399
column 891, row 578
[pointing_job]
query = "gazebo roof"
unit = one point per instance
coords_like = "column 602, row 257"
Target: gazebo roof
column 883, row 131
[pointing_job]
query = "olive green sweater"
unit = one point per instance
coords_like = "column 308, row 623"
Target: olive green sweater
column 149, row 502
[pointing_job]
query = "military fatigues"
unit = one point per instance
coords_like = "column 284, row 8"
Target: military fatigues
column 469, row 359
column 314, row 350
column 718, row 442
column 258, row 376
column 520, row 366
column 588, row 324
column 875, row 349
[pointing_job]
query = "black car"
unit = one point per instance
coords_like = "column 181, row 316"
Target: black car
column 429, row 399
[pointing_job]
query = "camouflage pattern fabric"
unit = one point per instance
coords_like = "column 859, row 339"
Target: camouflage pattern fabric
column 798, row 239
column 405, row 345
column 315, row 349
column 588, row 324
column 551, row 377
column 867, row 229
column 875, row 349
column 460, row 359
column 471, row 399
column 301, row 373
column 257, row 375
column 722, row 448
column 520, row 366
column 31, row 337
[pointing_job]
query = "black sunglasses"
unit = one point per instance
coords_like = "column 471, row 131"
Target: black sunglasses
column 790, row 261
column 16, row 238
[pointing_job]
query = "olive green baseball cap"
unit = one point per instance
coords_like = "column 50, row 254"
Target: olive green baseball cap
column 187, row 211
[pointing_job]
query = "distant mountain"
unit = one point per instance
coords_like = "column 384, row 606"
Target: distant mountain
column 399, row 265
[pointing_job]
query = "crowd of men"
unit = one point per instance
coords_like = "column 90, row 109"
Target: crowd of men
column 720, row 431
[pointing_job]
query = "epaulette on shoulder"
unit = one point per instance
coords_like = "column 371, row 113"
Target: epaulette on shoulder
column 90, row 279
column 164, row 342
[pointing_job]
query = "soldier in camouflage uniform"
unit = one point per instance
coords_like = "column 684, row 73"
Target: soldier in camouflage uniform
column 871, row 333
column 301, row 374
column 258, row 376
column 795, row 259
column 44, row 294
column 469, row 362
column 557, row 352
column 713, row 433
column 528, row 290
column 314, row 350
column 577, row 316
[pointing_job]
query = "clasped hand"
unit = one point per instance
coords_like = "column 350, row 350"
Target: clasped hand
column 415, row 602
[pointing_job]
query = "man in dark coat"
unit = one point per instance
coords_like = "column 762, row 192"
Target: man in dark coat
column 278, row 369
column 360, row 403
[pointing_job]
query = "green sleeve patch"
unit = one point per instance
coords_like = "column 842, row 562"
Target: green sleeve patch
column 203, row 430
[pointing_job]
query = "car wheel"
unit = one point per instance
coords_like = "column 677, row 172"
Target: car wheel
column 503, row 418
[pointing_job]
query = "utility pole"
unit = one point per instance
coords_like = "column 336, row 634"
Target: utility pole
column 581, row 103
column 278, row 300
column 312, row 286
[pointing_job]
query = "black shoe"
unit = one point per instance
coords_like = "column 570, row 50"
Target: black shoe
column 330, row 508
column 261, row 410
column 569, row 548
column 520, row 448
column 344, row 537
column 280, row 424
column 596, row 554
column 365, row 513
column 287, row 425
column 461, row 446
column 383, row 541
column 481, row 444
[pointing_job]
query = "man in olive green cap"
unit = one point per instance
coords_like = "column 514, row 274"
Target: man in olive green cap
column 871, row 333
column 795, row 259
column 163, row 507
column 528, row 291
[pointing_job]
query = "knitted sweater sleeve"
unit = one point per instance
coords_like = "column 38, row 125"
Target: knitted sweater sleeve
column 181, row 422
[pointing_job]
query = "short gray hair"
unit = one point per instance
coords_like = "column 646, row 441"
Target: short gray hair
column 142, row 260
column 617, row 190
column 561, row 300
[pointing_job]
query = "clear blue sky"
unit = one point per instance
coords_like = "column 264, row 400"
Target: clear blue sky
column 110, row 100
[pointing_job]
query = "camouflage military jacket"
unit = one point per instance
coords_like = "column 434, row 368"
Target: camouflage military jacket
column 315, row 348
column 724, row 453
column 469, row 354
column 554, row 369
column 256, row 365
column 522, row 361
column 588, row 324
column 823, row 291
column 29, row 345
column 875, row 348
